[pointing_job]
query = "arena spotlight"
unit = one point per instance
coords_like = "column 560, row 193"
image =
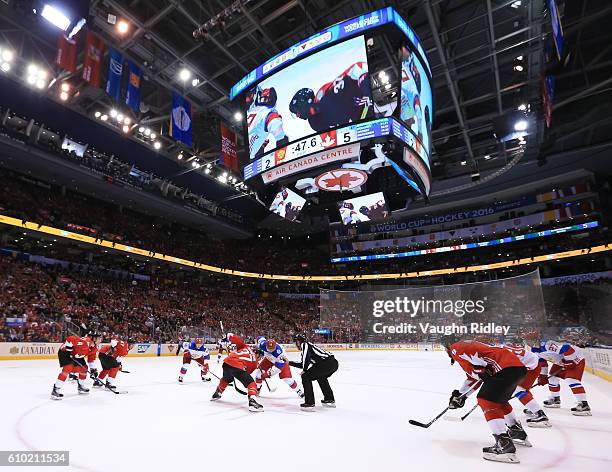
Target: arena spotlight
column 153, row 136
column 157, row 145
column 119, row 117
column 63, row 96
column 97, row 114
column 147, row 132
column 127, row 120
column 180, row 156
column 122, row 26
column 7, row 55
column 238, row 116
column 184, row 74
column 195, row 82
column 141, row 129
column 68, row 15
column 5, row 66
column 207, row 170
column 522, row 107
column 65, row 87
column 126, row 129
column 520, row 125
column 113, row 113
column 104, row 117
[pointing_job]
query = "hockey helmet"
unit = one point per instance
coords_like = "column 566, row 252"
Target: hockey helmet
column 299, row 338
column 267, row 97
column 302, row 102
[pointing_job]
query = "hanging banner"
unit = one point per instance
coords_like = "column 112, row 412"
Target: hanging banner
column 115, row 71
column 92, row 62
column 132, row 97
column 66, row 53
column 229, row 148
column 557, row 28
column 180, row 119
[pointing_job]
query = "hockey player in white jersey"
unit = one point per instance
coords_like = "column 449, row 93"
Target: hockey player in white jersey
column 274, row 362
column 264, row 121
column 567, row 363
column 196, row 351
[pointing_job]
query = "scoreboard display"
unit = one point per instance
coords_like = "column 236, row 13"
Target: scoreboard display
column 318, row 105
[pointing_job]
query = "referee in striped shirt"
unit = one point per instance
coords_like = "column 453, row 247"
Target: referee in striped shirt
column 316, row 364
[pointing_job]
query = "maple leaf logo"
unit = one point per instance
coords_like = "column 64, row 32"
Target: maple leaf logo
column 328, row 139
column 342, row 180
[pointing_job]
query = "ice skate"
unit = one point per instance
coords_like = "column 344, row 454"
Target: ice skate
column 582, row 409
column 502, row 451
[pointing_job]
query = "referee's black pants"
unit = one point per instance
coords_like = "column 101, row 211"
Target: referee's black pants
column 319, row 372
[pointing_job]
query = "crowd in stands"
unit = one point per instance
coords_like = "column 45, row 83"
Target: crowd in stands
column 43, row 303
column 111, row 167
column 38, row 302
column 45, row 204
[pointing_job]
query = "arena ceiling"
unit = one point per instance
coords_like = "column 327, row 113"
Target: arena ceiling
column 474, row 47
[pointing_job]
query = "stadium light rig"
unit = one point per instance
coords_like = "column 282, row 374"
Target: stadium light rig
column 36, row 77
column 70, row 16
column 6, row 59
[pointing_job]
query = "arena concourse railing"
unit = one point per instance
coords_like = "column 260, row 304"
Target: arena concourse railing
column 60, row 233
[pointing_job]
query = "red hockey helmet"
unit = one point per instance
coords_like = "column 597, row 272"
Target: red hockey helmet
column 270, row 345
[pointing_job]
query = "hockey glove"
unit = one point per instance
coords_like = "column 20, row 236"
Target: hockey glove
column 457, row 400
column 542, row 379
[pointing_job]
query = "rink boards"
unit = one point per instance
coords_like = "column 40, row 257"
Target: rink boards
column 27, row 350
column 599, row 360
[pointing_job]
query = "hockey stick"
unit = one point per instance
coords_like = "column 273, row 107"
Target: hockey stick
column 440, row 415
column 454, row 418
column 268, row 385
column 233, row 383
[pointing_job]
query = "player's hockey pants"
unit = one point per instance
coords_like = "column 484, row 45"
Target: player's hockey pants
column 319, row 372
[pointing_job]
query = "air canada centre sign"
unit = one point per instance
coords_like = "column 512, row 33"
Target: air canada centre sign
column 350, row 152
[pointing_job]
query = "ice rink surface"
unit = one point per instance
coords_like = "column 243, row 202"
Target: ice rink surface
column 161, row 425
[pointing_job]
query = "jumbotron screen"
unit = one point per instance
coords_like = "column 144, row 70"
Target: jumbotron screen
column 287, row 204
column 365, row 208
column 416, row 103
column 323, row 91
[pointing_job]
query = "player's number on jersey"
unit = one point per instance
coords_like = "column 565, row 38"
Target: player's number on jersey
column 338, row 85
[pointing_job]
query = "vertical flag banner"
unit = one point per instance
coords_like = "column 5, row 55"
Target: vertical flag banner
column 115, row 70
column 92, row 62
column 180, row 119
column 132, row 98
column 229, row 148
column 66, row 53
column 557, row 28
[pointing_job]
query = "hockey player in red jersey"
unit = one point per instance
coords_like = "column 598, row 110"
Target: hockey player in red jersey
column 111, row 356
column 72, row 357
column 239, row 365
column 345, row 99
column 497, row 372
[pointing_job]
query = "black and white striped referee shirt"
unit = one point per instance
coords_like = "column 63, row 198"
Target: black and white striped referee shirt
column 311, row 355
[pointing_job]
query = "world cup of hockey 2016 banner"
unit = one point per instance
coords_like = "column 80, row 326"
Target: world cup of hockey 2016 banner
column 115, row 71
column 92, row 62
column 229, row 148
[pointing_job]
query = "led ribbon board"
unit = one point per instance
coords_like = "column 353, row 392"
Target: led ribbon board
column 461, row 247
column 333, row 34
column 339, row 137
